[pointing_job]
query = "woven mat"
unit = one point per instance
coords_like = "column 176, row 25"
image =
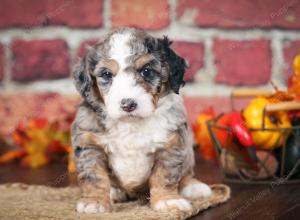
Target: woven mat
column 22, row 202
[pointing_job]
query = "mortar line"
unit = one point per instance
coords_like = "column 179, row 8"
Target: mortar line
column 107, row 14
column 208, row 72
column 194, row 33
column 277, row 62
column 7, row 65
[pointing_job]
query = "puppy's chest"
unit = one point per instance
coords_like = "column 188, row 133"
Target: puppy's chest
column 131, row 152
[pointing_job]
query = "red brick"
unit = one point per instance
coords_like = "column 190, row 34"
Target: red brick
column 290, row 50
column 147, row 14
column 193, row 53
column 22, row 13
column 40, row 59
column 242, row 62
column 75, row 13
column 241, row 14
column 1, row 62
column 83, row 48
column 49, row 105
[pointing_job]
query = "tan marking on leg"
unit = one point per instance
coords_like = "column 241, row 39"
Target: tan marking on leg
column 186, row 181
column 164, row 198
column 166, row 176
column 95, row 192
column 158, row 189
column 89, row 138
column 174, row 140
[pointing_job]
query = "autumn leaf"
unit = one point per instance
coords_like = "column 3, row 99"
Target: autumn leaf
column 202, row 136
column 39, row 141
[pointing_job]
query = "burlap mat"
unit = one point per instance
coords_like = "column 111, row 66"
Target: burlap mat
column 22, row 202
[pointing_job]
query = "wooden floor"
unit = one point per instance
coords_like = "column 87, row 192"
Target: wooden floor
column 248, row 201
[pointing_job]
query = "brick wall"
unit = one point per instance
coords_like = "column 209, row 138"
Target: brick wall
column 227, row 43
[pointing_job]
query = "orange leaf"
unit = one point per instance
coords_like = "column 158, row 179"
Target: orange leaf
column 34, row 160
column 71, row 164
column 279, row 95
column 19, row 137
column 38, row 123
column 202, row 134
column 40, row 140
column 12, row 155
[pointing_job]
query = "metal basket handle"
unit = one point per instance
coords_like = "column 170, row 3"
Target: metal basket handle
column 247, row 93
column 282, row 106
column 272, row 107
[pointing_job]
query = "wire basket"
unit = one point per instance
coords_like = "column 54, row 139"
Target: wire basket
column 273, row 165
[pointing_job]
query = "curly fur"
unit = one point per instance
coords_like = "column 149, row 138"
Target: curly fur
column 149, row 148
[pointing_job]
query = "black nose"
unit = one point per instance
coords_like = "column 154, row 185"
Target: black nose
column 128, row 105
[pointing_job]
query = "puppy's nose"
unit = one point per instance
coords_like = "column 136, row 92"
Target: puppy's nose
column 128, row 105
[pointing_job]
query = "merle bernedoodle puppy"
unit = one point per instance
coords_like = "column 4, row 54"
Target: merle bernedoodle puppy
column 130, row 135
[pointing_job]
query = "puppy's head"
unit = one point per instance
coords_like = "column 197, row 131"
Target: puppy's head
column 128, row 72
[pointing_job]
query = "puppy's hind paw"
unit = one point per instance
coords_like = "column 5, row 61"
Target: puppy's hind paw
column 196, row 190
column 165, row 205
column 90, row 207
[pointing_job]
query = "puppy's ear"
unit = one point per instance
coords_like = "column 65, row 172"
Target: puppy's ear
column 177, row 65
column 82, row 74
column 82, row 78
column 85, row 82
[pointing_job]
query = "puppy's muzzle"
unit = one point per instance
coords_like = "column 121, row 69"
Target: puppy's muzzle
column 128, row 105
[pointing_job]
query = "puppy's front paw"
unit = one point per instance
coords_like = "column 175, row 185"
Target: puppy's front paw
column 196, row 190
column 90, row 207
column 178, row 203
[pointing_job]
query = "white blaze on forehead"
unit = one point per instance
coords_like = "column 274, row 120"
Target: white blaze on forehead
column 120, row 48
column 124, row 84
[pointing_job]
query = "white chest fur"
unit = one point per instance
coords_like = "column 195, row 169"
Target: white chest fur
column 131, row 149
column 131, row 145
column 132, row 170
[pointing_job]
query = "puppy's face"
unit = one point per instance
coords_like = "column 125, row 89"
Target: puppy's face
column 129, row 79
column 128, row 72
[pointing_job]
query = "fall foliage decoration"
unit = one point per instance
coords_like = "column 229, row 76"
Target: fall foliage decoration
column 202, row 136
column 38, row 141
column 294, row 81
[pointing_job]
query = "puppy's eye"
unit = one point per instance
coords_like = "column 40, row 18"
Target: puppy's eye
column 106, row 75
column 146, row 72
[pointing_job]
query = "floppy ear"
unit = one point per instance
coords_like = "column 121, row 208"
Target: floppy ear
column 160, row 48
column 177, row 66
column 83, row 80
column 85, row 83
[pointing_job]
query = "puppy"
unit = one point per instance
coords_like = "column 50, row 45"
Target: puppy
column 130, row 134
